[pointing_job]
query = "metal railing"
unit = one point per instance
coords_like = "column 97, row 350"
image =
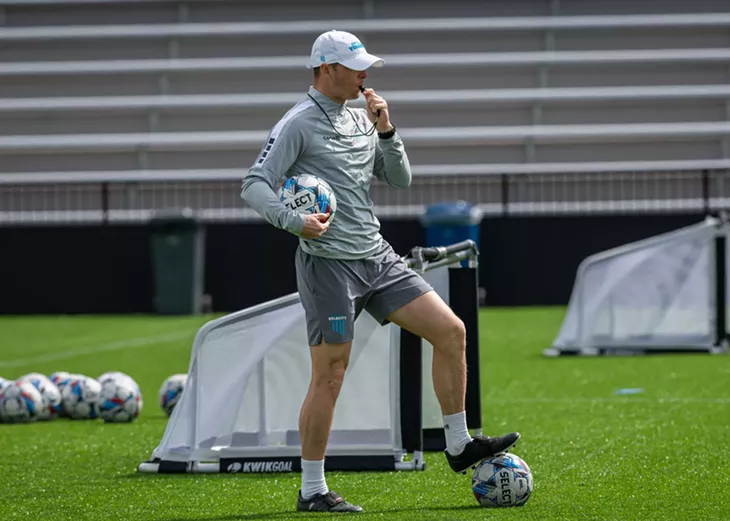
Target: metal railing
column 499, row 190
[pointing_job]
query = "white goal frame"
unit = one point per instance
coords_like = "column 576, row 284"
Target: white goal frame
column 372, row 451
column 576, row 338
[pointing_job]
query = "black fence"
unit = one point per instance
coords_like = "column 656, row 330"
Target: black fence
column 109, row 269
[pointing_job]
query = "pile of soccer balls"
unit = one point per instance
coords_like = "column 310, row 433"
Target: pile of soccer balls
column 113, row 396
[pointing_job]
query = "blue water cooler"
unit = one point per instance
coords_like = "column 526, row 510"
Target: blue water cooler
column 450, row 222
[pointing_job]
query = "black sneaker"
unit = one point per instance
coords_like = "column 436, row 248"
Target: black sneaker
column 329, row 502
column 481, row 447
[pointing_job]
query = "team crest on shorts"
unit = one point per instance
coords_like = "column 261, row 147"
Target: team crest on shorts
column 338, row 324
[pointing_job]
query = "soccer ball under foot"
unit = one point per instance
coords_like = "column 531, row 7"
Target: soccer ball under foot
column 504, row 480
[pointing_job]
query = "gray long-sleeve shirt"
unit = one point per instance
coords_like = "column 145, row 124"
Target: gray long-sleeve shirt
column 304, row 142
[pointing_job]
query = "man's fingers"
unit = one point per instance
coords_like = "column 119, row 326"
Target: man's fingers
column 374, row 105
column 371, row 98
column 319, row 217
column 322, row 230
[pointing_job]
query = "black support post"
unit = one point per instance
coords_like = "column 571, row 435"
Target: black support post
column 720, row 285
column 464, row 301
column 411, row 392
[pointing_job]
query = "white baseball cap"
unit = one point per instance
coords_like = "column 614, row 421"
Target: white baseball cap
column 343, row 48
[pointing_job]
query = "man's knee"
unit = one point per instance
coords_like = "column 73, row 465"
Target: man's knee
column 452, row 337
column 330, row 382
column 328, row 372
column 334, row 373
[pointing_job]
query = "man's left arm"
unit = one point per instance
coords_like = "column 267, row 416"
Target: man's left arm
column 391, row 161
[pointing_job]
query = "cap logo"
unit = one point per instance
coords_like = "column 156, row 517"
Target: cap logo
column 356, row 45
column 321, row 58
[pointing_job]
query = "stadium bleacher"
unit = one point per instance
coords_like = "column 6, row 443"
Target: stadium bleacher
column 562, row 95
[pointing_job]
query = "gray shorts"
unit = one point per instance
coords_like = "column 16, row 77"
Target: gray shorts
column 334, row 292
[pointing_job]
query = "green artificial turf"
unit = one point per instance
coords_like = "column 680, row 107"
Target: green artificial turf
column 660, row 454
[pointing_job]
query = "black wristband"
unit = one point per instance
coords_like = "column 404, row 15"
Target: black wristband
column 387, row 135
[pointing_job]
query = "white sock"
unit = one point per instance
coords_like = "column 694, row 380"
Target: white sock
column 457, row 435
column 313, row 482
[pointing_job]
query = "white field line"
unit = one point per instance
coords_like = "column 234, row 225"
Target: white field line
column 92, row 350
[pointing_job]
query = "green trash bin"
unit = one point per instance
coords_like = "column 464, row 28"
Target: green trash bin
column 178, row 258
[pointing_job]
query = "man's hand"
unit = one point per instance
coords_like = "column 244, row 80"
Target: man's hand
column 375, row 103
column 314, row 225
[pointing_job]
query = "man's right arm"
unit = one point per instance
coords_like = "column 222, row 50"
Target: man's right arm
column 283, row 146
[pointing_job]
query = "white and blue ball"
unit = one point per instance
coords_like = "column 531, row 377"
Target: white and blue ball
column 80, row 398
column 111, row 375
column 20, row 402
column 120, row 401
column 49, row 392
column 171, row 391
column 61, row 378
column 502, row 481
column 117, row 376
column 308, row 194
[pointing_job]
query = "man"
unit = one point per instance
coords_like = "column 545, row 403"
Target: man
column 345, row 266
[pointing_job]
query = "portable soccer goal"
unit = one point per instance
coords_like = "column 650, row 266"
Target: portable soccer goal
column 249, row 373
column 667, row 293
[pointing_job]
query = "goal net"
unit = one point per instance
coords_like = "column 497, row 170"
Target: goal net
column 662, row 294
column 249, row 373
